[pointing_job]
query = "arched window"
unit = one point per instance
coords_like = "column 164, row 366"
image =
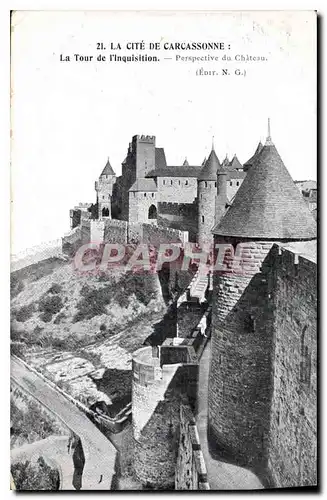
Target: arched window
column 205, row 184
column 230, row 183
column 202, row 218
column 152, row 214
column 171, row 182
column 105, row 212
column 144, row 195
column 237, row 184
column 186, row 183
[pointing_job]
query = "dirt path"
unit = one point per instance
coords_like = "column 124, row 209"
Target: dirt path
column 100, row 454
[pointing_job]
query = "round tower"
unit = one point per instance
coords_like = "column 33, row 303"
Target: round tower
column 221, row 195
column 104, row 187
column 207, row 191
column 267, row 208
column 159, row 387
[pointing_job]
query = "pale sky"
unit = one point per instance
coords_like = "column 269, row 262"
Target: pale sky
column 67, row 118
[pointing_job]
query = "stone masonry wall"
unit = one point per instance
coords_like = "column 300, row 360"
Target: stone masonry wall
column 155, row 235
column 157, row 395
column 182, row 216
column 177, row 189
column 85, row 231
column 240, row 370
column 206, row 216
column 97, row 231
column 233, row 186
column 262, row 384
column 293, row 424
column 191, row 472
column 115, row 231
column 139, row 204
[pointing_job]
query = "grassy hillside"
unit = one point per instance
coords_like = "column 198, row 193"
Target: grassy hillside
column 55, row 306
column 81, row 330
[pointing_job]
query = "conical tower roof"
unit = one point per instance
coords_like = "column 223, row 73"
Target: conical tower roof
column 250, row 162
column 235, row 164
column 209, row 171
column 108, row 170
column 268, row 205
column 186, row 163
column 225, row 163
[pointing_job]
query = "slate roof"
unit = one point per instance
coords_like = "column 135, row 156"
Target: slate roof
column 108, row 170
column 268, row 205
column 235, row 174
column 144, row 185
column 250, row 162
column 209, row 171
column 226, row 162
column 177, row 171
column 160, row 158
column 235, row 164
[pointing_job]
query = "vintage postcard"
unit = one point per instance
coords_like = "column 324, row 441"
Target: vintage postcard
column 163, row 256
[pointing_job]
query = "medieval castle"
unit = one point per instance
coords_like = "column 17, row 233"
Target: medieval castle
column 248, row 395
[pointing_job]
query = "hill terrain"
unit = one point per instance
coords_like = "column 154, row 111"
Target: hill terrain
column 80, row 330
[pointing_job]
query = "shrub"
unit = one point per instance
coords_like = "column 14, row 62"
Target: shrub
column 59, row 317
column 25, row 313
column 16, row 286
column 49, row 305
column 36, row 477
column 141, row 285
column 70, row 343
column 55, row 288
column 52, row 304
column 46, row 317
column 94, row 302
column 18, row 349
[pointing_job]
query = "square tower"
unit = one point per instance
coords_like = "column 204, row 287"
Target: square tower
column 144, row 147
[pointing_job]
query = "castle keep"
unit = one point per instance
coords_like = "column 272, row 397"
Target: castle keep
column 237, row 380
column 183, row 198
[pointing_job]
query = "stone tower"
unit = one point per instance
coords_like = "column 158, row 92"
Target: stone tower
column 143, row 203
column 145, row 154
column 104, row 188
column 267, row 208
column 221, row 195
column 207, row 190
column 140, row 160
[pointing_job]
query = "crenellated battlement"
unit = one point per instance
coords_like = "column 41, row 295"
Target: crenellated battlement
column 149, row 139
